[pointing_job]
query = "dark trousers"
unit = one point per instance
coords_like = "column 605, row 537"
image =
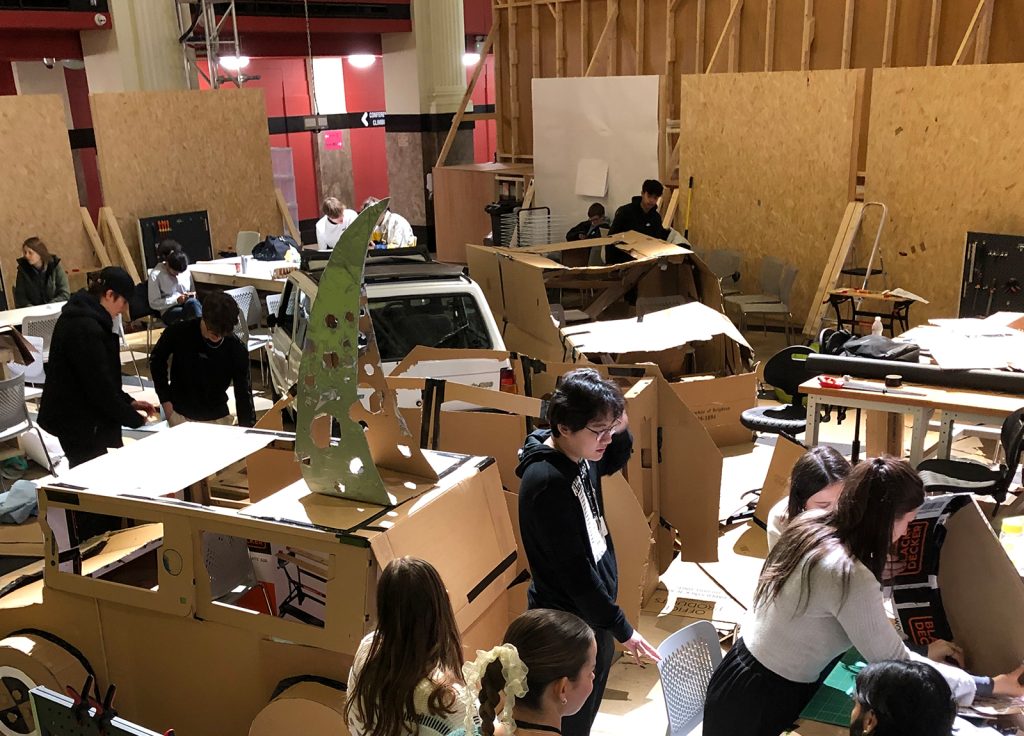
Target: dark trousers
column 188, row 309
column 745, row 698
column 579, row 724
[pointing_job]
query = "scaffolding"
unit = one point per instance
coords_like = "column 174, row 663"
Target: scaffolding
column 205, row 35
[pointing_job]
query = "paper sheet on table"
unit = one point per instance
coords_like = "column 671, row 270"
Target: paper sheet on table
column 977, row 351
column 592, row 177
column 904, row 294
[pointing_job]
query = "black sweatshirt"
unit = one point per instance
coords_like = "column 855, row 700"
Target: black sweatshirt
column 554, row 503
column 201, row 374
column 632, row 217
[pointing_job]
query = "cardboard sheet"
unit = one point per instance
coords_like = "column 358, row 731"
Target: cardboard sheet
column 776, row 482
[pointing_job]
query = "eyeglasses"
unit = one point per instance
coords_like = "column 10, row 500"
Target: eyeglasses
column 603, row 433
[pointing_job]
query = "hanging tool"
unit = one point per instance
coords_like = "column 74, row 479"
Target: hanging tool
column 991, row 293
column 689, row 204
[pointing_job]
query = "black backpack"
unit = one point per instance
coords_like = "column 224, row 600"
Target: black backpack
column 879, row 347
column 274, row 248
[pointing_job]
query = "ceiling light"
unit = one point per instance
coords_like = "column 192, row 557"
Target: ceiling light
column 234, row 63
column 361, row 61
column 470, row 58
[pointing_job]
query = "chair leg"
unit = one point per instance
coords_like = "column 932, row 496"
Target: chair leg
column 49, row 460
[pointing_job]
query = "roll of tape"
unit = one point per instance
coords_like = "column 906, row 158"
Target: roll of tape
column 893, row 380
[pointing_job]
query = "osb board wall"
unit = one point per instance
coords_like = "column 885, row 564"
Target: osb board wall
column 944, row 153
column 166, row 152
column 773, row 157
column 539, row 38
column 38, row 189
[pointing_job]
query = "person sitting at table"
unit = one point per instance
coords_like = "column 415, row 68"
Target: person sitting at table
column 393, row 230
column 337, row 217
column 206, row 357
column 592, row 226
column 171, row 290
column 814, row 484
column 820, row 593
column 41, row 278
column 902, row 699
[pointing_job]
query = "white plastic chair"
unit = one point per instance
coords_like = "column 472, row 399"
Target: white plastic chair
column 14, row 417
column 725, row 264
column 780, row 307
column 41, row 326
column 246, row 241
column 273, row 304
column 119, row 329
column 688, row 658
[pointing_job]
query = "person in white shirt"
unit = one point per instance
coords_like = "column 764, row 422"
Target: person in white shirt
column 814, row 484
column 393, row 230
column 172, row 292
column 820, row 593
column 337, row 217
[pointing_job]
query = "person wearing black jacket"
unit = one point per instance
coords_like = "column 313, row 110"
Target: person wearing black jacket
column 561, row 518
column 591, row 227
column 207, row 358
column 640, row 215
column 83, row 404
column 41, row 279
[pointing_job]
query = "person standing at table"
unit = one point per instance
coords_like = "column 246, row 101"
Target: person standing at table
column 41, row 278
column 206, row 357
column 83, row 404
column 337, row 217
column 172, row 293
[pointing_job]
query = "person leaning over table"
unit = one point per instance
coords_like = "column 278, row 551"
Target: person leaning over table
column 814, row 485
column 820, row 593
column 41, row 279
column 83, row 404
column 337, row 217
column 206, row 357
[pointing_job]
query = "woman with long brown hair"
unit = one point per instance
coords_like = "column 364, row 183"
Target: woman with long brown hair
column 407, row 672
column 41, row 279
column 819, row 594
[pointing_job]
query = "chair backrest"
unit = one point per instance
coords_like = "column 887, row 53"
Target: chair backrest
column 785, row 370
column 246, row 241
column 1012, row 437
column 786, row 282
column 771, row 275
column 249, row 301
column 41, row 326
column 273, row 303
column 12, row 402
column 723, row 263
column 688, row 658
column 242, row 329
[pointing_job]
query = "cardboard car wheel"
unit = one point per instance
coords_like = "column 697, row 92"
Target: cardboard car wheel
column 28, row 661
column 319, row 708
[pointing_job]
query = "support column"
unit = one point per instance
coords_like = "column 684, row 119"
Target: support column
column 424, row 81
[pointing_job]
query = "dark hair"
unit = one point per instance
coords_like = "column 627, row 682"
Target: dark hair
column 817, row 468
column 552, row 645
column 907, row 698
column 220, row 313
column 874, row 494
column 39, row 247
column 165, row 249
column 416, row 635
column 595, row 210
column 177, row 261
column 582, row 396
column 653, row 186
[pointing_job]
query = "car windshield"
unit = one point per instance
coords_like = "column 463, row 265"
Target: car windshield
column 440, row 321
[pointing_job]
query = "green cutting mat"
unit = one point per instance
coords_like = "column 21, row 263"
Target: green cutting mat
column 834, row 699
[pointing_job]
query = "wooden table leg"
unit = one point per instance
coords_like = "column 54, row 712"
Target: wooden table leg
column 883, row 433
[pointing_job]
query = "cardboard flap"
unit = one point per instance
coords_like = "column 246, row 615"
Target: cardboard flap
column 660, row 330
column 529, row 310
column 643, row 248
column 631, row 534
column 776, row 482
column 423, row 353
column 984, row 610
column 12, row 340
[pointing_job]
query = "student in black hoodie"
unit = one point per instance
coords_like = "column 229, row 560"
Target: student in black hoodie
column 82, row 402
column 640, row 215
column 561, row 517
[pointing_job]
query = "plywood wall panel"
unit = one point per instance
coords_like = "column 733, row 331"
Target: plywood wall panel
column 773, row 159
column 38, row 189
column 944, row 153
column 164, row 152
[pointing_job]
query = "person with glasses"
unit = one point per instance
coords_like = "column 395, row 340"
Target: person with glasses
column 562, row 521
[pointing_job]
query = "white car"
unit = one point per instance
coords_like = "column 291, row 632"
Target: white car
column 411, row 303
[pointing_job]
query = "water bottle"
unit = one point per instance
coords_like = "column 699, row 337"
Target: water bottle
column 1011, row 536
column 876, row 326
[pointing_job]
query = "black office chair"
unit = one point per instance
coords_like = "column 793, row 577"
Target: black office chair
column 784, row 371
column 968, row 476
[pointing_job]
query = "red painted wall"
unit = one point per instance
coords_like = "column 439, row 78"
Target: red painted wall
column 7, row 86
column 364, row 92
column 485, row 133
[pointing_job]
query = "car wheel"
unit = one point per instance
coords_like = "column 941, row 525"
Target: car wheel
column 318, row 707
column 29, row 660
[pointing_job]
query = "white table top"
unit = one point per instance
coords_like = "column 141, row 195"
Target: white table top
column 14, row 317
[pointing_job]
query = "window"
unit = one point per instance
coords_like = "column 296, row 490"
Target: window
column 440, row 321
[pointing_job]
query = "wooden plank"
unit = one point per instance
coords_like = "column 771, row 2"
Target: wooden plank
column 984, row 34
column 478, row 116
column 671, row 209
column 94, row 238
column 734, row 40
column 613, row 40
column 883, row 434
column 847, row 34
column 601, row 43
column 286, row 216
column 769, row 36
column 808, row 35
column 933, row 32
column 560, row 54
column 584, row 37
column 890, row 31
column 699, row 46
column 844, row 240
column 733, row 15
column 663, row 94
column 972, row 31
column 535, row 41
column 114, row 232
column 641, row 25
column 513, row 73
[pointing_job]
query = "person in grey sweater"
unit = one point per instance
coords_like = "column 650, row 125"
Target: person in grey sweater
column 818, row 595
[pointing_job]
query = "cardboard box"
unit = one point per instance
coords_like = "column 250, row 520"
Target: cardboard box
column 14, row 348
column 718, row 403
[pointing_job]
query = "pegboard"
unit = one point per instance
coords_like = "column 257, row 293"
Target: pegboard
column 993, row 279
column 164, row 152
column 773, row 157
column 54, row 717
column 944, row 152
column 38, row 189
